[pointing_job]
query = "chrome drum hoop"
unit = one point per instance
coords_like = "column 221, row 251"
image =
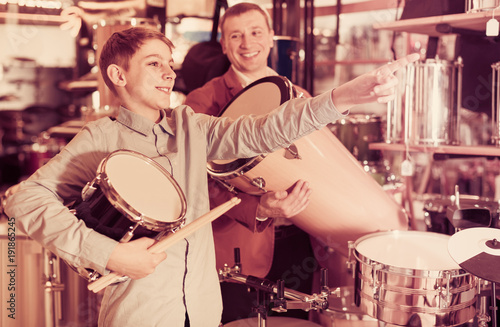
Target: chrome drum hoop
column 281, row 89
column 396, row 294
column 129, row 211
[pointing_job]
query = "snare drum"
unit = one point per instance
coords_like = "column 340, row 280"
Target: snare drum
column 132, row 196
column 347, row 202
column 404, row 276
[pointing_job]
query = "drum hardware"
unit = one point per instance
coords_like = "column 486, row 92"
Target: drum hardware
column 287, row 299
column 292, row 152
column 53, row 288
column 274, row 295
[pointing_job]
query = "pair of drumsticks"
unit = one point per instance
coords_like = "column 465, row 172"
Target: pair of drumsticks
column 169, row 240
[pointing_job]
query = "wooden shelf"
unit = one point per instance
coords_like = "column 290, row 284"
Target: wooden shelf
column 23, row 18
column 483, row 151
column 427, row 25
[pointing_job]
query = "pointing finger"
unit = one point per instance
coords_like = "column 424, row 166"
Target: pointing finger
column 402, row 62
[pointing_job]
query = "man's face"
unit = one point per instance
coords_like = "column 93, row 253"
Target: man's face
column 247, row 41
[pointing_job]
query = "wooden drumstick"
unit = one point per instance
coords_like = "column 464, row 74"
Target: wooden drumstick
column 169, row 240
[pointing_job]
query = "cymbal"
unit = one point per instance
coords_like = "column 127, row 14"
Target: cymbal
column 477, row 251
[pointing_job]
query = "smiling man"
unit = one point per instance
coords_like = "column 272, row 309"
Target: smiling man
column 270, row 246
column 247, row 40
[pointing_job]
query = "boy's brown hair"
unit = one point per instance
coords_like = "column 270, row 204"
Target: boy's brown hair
column 121, row 46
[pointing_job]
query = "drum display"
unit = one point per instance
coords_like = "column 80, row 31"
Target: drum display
column 132, row 196
column 346, row 202
column 343, row 311
column 405, row 277
column 284, row 57
column 481, row 5
column 108, row 102
column 425, row 111
column 356, row 132
column 272, row 322
column 495, row 104
column 435, row 211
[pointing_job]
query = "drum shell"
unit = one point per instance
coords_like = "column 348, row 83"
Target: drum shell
column 346, row 202
column 425, row 111
column 397, row 295
column 112, row 222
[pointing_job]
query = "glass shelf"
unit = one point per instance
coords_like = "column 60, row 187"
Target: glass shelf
column 482, row 150
column 427, row 25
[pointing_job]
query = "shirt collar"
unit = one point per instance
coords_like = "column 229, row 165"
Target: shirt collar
column 143, row 125
column 245, row 80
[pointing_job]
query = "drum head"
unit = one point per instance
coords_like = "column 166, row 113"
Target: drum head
column 144, row 186
column 408, row 249
column 258, row 98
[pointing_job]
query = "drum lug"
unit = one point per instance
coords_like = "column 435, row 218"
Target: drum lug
column 350, row 263
column 128, row 235
column 292, row 152
column 444, row 292
column 88, row 190
column 376, row 282
column 260, row 183
column 229, row 187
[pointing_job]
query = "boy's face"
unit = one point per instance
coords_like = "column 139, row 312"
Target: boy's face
column 149, row 79
column 247, row 41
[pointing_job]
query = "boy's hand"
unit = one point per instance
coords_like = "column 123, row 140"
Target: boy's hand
column 376, row 86
column 132, row 258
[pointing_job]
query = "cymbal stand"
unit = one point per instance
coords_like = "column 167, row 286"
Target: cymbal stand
column 284, row 299
column 461, row 218
column 493, row 305
column 263, row 300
